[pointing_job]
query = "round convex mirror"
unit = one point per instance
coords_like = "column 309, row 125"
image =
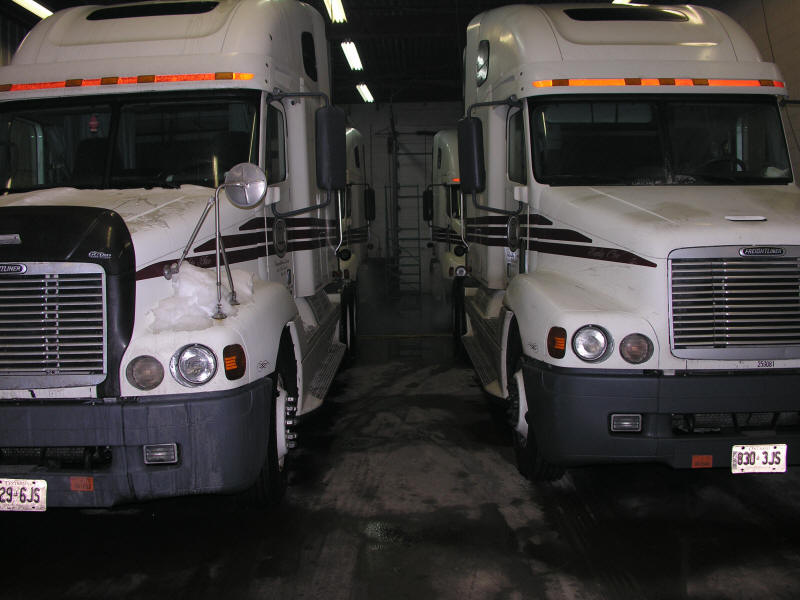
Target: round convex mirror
column 245, row 185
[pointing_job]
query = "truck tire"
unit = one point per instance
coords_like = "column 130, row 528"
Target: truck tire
column 528, row 458
column 271, row 483
column 270, row 486
column 348, row 330
column 458, row 311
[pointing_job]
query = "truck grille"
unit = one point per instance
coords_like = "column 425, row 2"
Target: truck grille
column 732, row 307
column 53, row 323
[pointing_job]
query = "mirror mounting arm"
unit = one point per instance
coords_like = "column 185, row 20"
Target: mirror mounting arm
column 174, row 268
column 511, row 102
column 250, row 183
column 300, row 211
column 277, row 95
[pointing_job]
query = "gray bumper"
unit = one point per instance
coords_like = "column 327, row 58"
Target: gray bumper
column 569, row 412
column 221, row 438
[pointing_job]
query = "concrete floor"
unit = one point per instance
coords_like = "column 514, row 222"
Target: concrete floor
column 405, row 487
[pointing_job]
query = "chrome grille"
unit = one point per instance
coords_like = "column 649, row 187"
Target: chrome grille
column 52, row 324
column 733, row 307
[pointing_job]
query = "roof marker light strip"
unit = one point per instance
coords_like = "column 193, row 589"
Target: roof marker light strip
column 657, row 81
column 177, row 78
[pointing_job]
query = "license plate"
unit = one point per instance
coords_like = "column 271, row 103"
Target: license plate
column 23, row 495
column 759, row 458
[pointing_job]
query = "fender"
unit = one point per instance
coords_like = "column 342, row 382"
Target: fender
column 545, row 299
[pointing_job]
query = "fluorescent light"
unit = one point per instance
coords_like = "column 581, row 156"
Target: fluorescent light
column 364, row 91
column 335, row 11
column 36, row 8
column 351, row 54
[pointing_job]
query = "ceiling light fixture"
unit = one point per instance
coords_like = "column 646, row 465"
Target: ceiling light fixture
column 365, row 93
column 351, row 54
column 335, row 11
column 36, row 8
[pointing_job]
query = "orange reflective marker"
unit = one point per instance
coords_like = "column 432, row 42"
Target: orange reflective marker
column 128, row 80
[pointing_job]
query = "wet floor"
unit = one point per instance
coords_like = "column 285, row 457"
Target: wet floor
column 405, row 487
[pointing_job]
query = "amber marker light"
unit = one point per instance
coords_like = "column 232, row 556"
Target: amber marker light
column 656, row 81
column 128, row 80
column 557, row 342
column 234, row 361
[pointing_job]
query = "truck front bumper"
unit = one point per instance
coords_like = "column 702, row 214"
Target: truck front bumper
column 221, row 439
column 570, row 414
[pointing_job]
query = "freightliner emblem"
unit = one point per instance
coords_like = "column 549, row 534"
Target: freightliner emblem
column 761, row 251
column 15, row 269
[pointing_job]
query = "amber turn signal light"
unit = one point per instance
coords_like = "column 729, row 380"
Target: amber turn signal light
column 234, row 360
column 557, row 342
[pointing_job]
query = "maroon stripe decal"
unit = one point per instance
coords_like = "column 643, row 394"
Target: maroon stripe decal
column 232, row 241
column 563, row 235
column 592, row 252
column 205, row 261
column 255, row 223
column 538, row 220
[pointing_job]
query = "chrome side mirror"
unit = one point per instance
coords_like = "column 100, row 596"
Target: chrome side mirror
column 245, row 185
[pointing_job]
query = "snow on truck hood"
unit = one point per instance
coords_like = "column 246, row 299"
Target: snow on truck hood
column 160, row 220
column 651, row 221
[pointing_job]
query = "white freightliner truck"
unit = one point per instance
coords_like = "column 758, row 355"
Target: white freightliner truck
column 634, row 238
column 441, row 208
column 358, row 211
column 128, row 371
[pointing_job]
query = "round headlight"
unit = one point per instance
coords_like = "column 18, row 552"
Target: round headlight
column 636, row 348
column 145, row 372
column 193, row 365
column 591, row 343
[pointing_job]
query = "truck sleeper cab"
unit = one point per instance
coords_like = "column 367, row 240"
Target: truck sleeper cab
column 357, row 212
column 442, row 209
column 164, row 320
column 632, row 221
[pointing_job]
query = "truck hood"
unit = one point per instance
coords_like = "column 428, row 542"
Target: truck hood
column 160, row 221
column 653, row 221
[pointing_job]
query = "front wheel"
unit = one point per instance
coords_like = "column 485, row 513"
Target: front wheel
column 458, row 311
column 530, row 462
column 270, row 486
column 347, row 325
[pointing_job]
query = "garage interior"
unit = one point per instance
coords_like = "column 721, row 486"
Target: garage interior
column 404, row 483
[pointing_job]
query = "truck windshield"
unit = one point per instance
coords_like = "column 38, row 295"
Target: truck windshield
column 664, row 140
column 126, row 141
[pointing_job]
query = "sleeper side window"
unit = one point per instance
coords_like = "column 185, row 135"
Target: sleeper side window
column 309, row 55
column 517, row 164
column 275, row 146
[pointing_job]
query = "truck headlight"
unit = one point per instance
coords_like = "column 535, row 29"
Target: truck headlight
column 591, row 343
column 636, row 348
column 193, row 365
column 145, row 372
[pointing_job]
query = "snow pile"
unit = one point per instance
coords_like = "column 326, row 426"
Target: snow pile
column 194, row 299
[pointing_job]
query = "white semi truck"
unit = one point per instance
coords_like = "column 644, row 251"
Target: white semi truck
column 358, row 211
column 634, row 238
column 442, row 209
column 148, row 349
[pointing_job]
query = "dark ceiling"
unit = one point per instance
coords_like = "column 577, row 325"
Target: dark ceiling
column 411, row 49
